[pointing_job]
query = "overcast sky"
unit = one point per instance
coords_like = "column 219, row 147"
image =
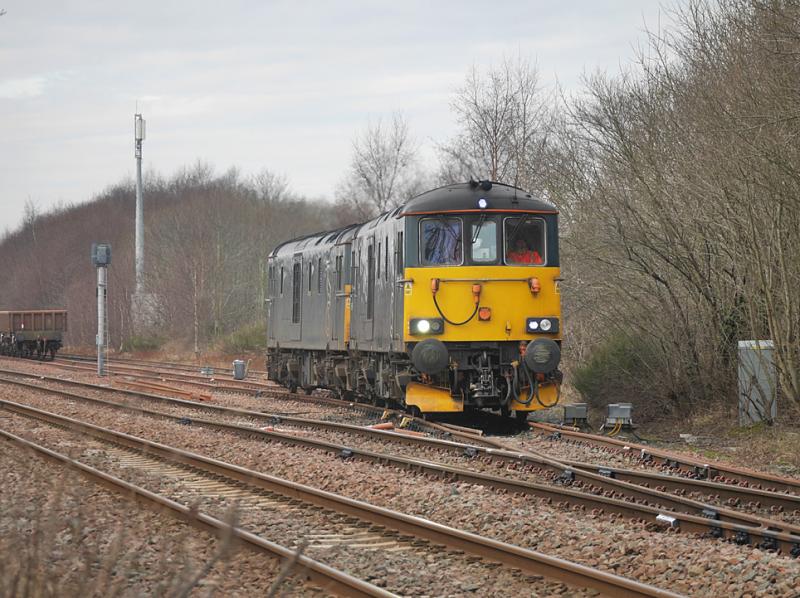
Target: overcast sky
column 261, row 84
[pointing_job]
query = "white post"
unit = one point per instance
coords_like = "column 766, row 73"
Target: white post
column 101, row 319
column 139, row 134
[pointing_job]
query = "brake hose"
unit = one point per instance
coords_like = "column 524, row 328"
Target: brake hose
column 509, row 389
column 445, row 318
column 534, row 392
column 533, row 388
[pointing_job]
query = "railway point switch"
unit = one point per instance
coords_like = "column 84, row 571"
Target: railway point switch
column 576, row 414
column 618, row 418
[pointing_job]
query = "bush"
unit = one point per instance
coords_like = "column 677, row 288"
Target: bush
column 142, row 343
column 250, row 337
column 621, row 370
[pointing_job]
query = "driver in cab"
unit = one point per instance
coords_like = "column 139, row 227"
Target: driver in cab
column 522, row 254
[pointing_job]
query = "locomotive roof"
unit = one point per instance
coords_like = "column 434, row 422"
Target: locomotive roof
column 465, row 196
column 460, row 197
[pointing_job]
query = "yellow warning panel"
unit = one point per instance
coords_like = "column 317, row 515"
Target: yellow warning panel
column 548, row 397
column 347, row 306
column 431, row 399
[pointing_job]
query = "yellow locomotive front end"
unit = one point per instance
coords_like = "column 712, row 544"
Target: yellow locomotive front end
column 481, row 304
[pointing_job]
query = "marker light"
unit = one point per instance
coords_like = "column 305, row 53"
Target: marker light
column 482, row 203
column 547, row 325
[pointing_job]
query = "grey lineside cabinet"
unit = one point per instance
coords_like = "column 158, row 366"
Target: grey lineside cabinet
column 757, row 382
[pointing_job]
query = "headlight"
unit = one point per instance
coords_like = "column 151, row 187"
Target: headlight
column 426, row 326
column 545, row 325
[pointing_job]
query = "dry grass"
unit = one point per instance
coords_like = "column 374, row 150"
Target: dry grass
column 774, row 448
column 64, row 537
column 47, row 554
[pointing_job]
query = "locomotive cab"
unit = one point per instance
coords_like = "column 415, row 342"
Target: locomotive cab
column 481, row 300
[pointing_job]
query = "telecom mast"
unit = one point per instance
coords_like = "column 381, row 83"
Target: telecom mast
column 139, row 134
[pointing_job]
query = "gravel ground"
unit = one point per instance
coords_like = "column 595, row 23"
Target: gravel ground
column 680, row 562
column 82, row 540
column 278, row 404
column 333, row 539
column 354, row 440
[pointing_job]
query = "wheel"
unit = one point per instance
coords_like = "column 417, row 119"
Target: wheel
column 522, row 418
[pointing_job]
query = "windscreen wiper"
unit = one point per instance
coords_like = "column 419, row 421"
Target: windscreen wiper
column 478, row 230
column 520, row 223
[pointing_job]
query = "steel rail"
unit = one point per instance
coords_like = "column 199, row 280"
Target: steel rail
column 738, row 493
column 766, row 498
column 710, row 520
column 677, row 504
column 187, row 367
column 619, row 486
column 181, row 366
column 709, row 469
column 197, row 379
column 413, row 422
column 328, row 578
column 281, row 392
column 609, row 485
column 262, row 387
column 486, row 548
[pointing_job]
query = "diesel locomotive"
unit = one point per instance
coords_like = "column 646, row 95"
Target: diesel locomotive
column 447, row 303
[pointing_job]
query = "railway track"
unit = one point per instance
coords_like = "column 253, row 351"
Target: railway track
column 595, row 491
column 376, row 414
column 172, row 365
column 736, row 495
column 388, row 530
column 326, row 577
column 669, row 460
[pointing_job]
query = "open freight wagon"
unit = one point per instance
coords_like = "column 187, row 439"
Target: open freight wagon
column 32, row 333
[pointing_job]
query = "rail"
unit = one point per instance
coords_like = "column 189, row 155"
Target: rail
column 681, row 512
column 333, row 580
column 485, row 548
column 707, row 469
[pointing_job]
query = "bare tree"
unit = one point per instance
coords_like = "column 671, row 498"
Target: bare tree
column 682, row 182
column 383, row 170
column 505, row 119
column 270, row 187
column 29, row 216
